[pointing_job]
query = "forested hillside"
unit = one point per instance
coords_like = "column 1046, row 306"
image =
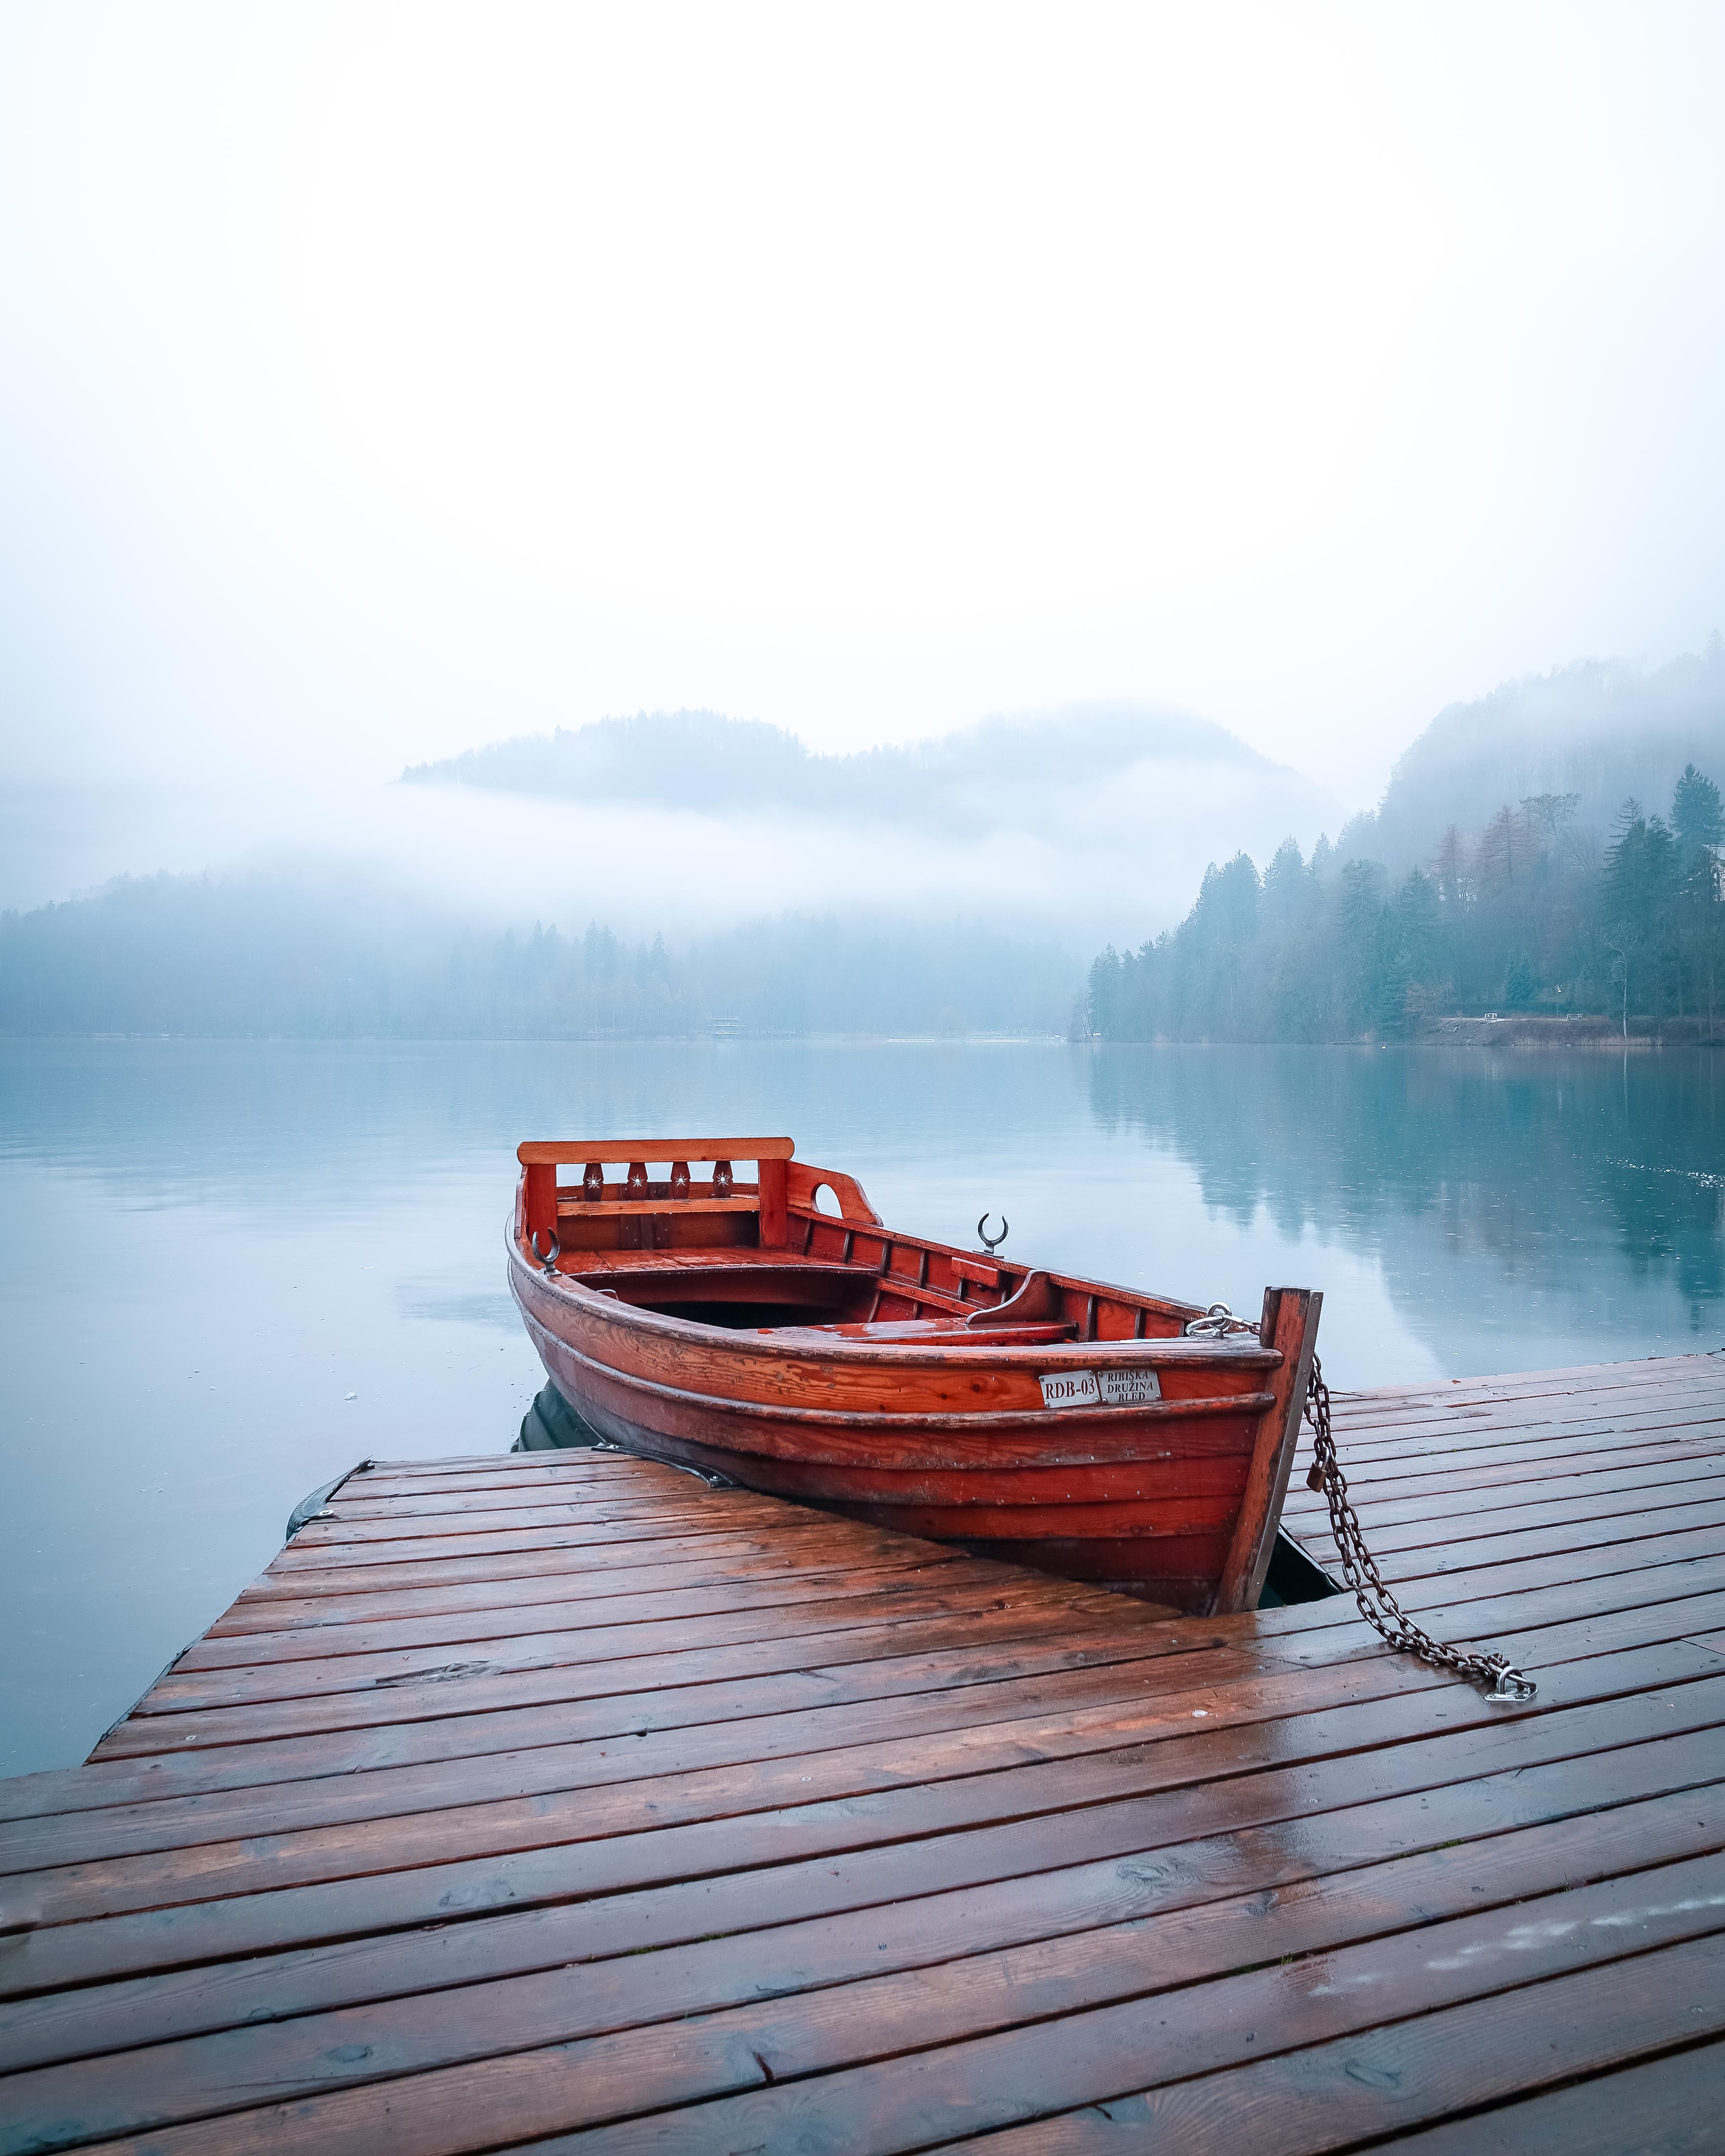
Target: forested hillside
column 1538, row 911
column 325, row 954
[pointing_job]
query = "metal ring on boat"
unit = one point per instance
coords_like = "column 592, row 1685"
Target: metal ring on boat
column 993, row 1243
column 1218, row 1323
column 547, row 1259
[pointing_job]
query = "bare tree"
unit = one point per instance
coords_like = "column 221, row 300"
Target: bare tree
column 1449, row 868
column 1550, row 815
column 1625, row 941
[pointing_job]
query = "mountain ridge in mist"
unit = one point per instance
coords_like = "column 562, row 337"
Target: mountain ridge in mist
column 800, row 892
column 1603, row 730
column 999, row 773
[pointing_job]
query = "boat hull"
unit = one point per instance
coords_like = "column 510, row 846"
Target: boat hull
column 1173, row 1498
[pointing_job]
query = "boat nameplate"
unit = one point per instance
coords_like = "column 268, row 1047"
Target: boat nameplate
column 1130, row 1389
column 1070, row 1388
column 1090, row 1388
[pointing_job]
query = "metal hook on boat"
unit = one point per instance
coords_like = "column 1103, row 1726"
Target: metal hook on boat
column 993, row 1242
column 547, row 1259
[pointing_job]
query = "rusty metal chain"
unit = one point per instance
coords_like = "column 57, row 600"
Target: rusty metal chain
column 1504, row 1684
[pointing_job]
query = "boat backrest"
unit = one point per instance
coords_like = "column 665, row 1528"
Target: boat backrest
column 552, row 1153
column 638, row 1196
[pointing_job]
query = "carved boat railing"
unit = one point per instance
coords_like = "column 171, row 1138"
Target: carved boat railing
column 548, row 1207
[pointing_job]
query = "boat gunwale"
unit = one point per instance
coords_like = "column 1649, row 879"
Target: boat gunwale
column 1234, row 1353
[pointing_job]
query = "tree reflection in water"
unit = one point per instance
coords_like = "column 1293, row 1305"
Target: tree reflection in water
column 1577, row 1175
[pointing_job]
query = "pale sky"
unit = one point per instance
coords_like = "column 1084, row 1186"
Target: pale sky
column 376, row 381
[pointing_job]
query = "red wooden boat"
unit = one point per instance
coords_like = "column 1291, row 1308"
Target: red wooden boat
column 776, row 1332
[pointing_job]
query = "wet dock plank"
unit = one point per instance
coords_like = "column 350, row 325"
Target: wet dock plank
column 558, row 1801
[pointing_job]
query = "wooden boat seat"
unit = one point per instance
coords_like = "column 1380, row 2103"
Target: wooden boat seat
column 577, row 1264
column 947, row 1332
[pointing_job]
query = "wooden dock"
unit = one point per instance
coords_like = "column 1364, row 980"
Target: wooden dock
column 557, row 1800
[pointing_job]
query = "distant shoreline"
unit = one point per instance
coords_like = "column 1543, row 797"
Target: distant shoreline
column 822, row 1040
column 1589, row 1030
column 1520, row 1032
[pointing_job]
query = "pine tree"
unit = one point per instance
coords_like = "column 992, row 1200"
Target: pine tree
column 1697, row 818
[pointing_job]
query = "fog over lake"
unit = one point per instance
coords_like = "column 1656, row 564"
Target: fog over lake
column 214, row 1244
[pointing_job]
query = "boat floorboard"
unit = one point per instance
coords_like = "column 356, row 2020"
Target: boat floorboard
column 689, row 1819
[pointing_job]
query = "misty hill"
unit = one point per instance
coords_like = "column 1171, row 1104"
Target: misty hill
column 1603, row 730
column 323, row 952
column 1003, row 773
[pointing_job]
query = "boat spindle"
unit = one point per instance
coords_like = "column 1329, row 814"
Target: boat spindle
column 1504, row 1685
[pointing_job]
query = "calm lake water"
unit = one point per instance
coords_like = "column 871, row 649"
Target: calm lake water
column 234, row 1269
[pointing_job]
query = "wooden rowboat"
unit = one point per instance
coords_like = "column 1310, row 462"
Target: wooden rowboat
column 776, row 1332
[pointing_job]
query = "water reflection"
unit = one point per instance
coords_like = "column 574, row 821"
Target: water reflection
column 1582, row 1183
